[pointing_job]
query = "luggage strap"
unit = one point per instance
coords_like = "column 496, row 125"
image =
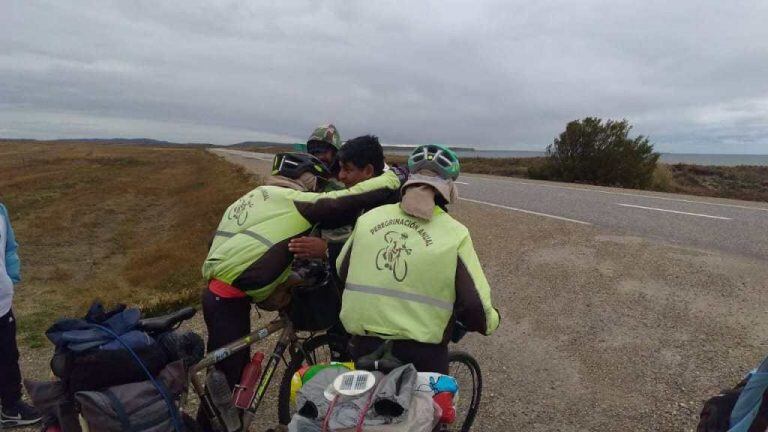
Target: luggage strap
column 119, row 408
column 171, row 406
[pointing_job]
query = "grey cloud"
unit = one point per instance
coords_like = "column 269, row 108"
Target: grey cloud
column 489, row 74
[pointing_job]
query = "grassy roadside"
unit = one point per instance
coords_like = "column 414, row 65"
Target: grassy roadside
column 122, row 224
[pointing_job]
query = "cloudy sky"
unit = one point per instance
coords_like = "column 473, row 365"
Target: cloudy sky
column 691, row 74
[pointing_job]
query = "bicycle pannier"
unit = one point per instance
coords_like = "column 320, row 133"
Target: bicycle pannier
column 315, row 307
column 133, row 407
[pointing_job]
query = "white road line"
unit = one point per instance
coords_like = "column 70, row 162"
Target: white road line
column 458, row 182
column 627, row 194
column 527, row 211
column 674, row 211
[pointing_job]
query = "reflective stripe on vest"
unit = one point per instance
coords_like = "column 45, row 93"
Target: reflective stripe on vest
column 386, row 292
column 251, row 226
column 401, row 280
column 250, row 234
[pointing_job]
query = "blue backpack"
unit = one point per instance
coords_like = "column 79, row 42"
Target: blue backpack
column 751, row 400
column 741, row 409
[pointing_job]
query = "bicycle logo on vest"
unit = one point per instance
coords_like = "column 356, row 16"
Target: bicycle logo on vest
column 390, row 257
column 239, row 211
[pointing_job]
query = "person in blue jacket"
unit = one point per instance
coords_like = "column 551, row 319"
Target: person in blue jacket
column 14, row 412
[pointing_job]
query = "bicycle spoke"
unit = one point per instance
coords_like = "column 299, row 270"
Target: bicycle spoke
column 467, row 382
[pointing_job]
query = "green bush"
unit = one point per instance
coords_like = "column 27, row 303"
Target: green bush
column 593, row 151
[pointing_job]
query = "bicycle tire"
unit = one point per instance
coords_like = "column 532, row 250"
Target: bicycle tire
column 465, row 359
column 284, row 395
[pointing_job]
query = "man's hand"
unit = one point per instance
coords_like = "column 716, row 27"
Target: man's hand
column 309, row 248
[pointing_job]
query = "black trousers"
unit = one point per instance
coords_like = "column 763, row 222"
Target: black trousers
column 10, row 374
column 425, row 357
column 227, row 320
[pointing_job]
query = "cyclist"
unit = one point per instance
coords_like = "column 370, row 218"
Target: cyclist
column 324, row 144
column 359, row 159
column 410, row 270
column 249, row 260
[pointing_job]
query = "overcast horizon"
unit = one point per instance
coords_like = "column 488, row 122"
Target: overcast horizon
column 497, row 75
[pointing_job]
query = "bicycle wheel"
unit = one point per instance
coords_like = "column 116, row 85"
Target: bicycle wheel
column 319, row 349
column 465, row 369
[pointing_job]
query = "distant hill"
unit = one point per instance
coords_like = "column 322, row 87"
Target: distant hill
column 111, row 141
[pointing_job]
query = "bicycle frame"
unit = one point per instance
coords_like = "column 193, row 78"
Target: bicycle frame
column 287, row 337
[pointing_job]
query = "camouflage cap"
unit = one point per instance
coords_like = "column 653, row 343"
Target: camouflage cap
column 328, row 134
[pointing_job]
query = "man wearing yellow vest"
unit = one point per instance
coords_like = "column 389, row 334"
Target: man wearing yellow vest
column 410, row 270
column 249, row 260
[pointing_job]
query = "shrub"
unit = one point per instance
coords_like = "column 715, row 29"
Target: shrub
column 662, row 179
column 593, row 151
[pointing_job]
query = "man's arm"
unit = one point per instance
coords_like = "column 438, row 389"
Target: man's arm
column 342, row 262
column 473, row 306
column 12, row 263
column 339, row 208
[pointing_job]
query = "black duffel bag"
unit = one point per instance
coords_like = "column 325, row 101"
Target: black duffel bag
column 95, row 369
column 315, row 306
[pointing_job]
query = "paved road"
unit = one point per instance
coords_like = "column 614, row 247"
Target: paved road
column 739, row 227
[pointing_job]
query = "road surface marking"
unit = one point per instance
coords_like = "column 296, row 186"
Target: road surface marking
column 674, row 211
column 458, row 182
column 527, row 211
column 627, row 194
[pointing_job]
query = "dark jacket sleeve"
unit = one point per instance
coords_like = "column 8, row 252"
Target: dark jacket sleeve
column 339, row 208
column 342, row 262
column 473, row 306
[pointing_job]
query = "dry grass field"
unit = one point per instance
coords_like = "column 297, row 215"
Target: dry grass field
column 121, row 224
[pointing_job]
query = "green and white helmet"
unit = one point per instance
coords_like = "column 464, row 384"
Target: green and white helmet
column 440, row 159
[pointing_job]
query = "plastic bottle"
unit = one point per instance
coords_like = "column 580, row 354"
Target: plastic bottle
column 246, row 390
column 445, row 401
column 221, row 396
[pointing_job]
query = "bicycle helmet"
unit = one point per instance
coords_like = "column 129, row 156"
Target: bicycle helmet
column 293, row 165
column 442, row 160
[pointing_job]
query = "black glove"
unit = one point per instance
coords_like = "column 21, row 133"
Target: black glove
column 459, row 331
column 400, row 172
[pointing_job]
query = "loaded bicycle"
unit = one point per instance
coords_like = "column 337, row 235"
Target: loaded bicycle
column 303, row 350
column 301, row 343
